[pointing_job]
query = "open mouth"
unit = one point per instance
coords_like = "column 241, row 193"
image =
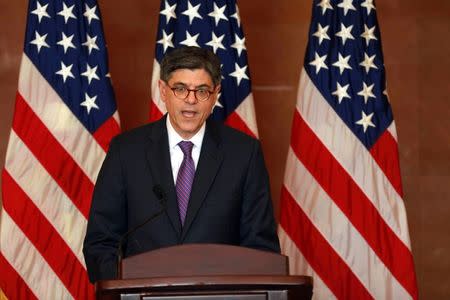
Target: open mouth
column 188, row 113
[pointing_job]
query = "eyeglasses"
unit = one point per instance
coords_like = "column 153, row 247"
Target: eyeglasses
column 182, row 93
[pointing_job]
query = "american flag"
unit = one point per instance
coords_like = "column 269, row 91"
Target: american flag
column 65, row 115
column 215, row 25
column 343, row 220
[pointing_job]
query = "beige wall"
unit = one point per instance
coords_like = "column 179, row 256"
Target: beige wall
column 416, row 40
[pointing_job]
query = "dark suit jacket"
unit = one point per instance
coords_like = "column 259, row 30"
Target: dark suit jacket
column 230, row 200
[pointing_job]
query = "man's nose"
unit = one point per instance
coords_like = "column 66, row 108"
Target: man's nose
column 191, row 98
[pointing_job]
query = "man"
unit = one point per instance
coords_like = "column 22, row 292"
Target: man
column 209, row 181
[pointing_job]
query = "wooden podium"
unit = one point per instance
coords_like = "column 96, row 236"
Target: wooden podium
column 206, row 272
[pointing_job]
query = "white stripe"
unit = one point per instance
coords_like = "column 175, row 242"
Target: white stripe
column 156, row 97
column 352, row 156
column 46, row 194
column 66, row 128
column 28, row 263
column 246, row 110
column 392, row 129
column 299, row 266
column 340, row 233
column 116, row 117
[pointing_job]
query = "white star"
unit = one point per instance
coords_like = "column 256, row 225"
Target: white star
column 366, row 121
column 89, row 102
column 368, row 4
column 40, row 11
column 90, row 13
column 367, row 63
column 216, row 42
column 385, row 93
column 221, row 73
column 346, row 5
column 366, row 92
column 66, row 42
column 321, row 33
column 319, row 62
column 166, row 40
column 237, row 16
column 345, row 33
column 218, row 14
column 342, row 63
column 66, row 71
column 192, row 12
column 239, row 73
column 341, row 92
column 67, row 13
column 218, row 104
column 325, row 4
column 169, row 11
column 91, row 43
column 90, row 73
column 368, row 34
column 39, row 41
column 239, row 44
column 190, row 40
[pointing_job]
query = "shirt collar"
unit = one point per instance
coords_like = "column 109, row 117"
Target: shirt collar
column 175, row 138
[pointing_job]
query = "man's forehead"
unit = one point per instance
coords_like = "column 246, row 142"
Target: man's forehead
column 195, row 77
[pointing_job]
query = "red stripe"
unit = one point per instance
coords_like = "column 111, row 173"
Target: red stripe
column 155, row 114
column 46, row 239
column 385, row 153
column 103, row 135
column 354, row 203
column 53, row 157
column 333, row 271
column 12, row 285
column 235, row 121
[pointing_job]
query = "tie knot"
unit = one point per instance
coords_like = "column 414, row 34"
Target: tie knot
column 186, row 147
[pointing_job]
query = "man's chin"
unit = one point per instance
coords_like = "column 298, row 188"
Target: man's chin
column 190, row 129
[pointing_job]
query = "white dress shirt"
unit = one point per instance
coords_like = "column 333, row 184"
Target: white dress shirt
column 176, row 155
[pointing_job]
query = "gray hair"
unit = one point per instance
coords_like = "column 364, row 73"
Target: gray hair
column 191, row 58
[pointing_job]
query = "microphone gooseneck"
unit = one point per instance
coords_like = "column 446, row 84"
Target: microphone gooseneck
column 161, row 195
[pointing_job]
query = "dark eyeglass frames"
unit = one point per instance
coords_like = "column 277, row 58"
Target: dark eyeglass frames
column 182, row 93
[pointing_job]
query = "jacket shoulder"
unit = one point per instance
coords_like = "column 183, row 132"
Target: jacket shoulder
column 137, row 134
column 230, row 136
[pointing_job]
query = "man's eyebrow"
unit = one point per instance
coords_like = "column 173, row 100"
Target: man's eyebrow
column 179, row 83
column 204, row 85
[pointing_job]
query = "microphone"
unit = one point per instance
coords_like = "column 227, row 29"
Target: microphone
column 161, row 195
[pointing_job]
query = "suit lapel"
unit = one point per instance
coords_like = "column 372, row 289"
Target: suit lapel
column 158, row 158
column 211, row 157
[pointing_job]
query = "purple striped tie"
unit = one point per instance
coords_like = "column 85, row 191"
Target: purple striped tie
column 185, row 178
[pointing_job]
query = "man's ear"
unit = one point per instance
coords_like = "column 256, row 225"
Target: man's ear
column 216, row 96
column 217, row 89
column 162, row 90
